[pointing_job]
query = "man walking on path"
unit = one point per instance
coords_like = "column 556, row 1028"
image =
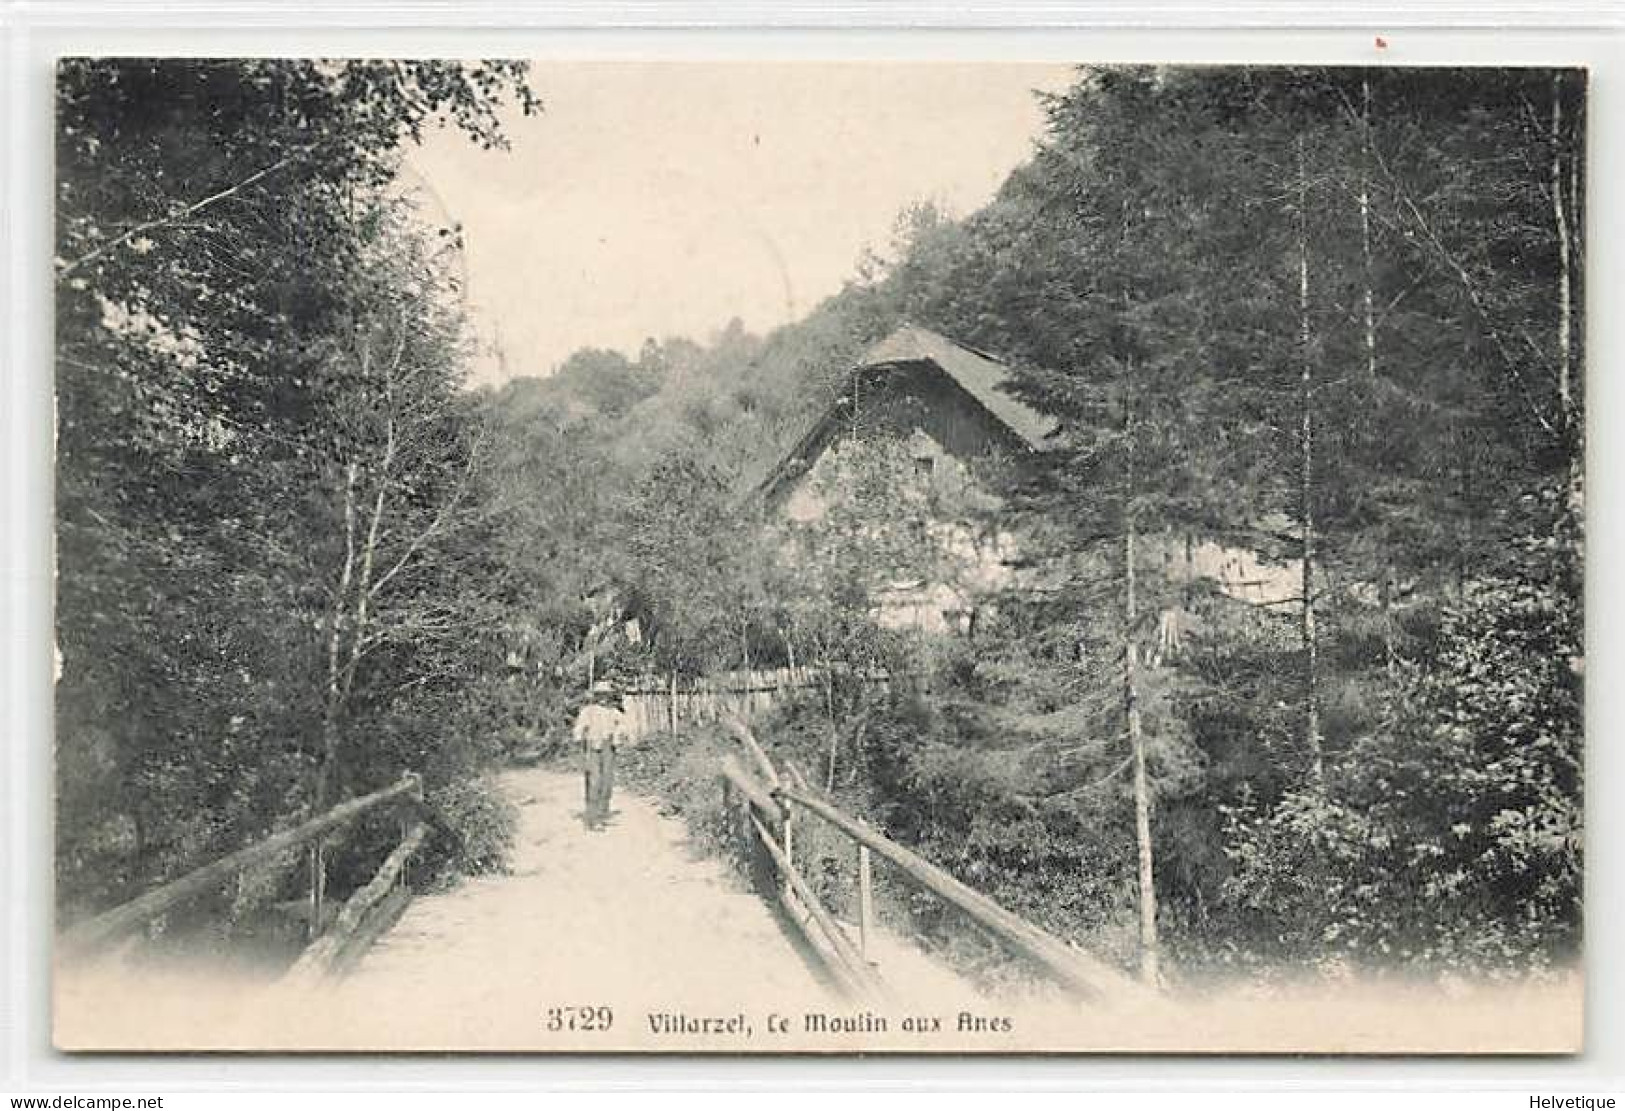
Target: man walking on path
column 599, row 728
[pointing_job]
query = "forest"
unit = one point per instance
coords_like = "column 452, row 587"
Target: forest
column 1331, row 316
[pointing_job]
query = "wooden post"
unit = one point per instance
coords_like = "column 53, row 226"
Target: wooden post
column 318, row 957
column 857, row 978
column 318, row 885
column 674, row 703
column 732, row 814
column 404, row 878
column 789, row 849
column 866, row 901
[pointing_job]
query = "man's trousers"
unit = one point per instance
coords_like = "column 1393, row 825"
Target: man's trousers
column 600, row 783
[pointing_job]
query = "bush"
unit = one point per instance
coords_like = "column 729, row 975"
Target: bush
column 682, row 772
column 483, row 818
column 1450, row 838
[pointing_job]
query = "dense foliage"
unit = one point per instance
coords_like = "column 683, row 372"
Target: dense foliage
column 1327, row 317
column 271, row 507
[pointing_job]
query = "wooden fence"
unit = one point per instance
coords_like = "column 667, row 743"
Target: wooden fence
column 770, row 806
column 370, row 909
column 653, row 705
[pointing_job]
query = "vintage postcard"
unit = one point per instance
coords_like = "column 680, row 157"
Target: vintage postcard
column 818, row 557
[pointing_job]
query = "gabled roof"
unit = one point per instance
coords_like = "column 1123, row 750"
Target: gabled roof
column 977, row 373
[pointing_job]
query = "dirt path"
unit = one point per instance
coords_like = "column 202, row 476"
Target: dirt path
column 629, row 918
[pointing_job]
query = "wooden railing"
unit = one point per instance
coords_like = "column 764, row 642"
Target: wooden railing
column 358, row 919
column 773, row 806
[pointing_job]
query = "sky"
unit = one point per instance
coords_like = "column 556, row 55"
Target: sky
column 665, row 199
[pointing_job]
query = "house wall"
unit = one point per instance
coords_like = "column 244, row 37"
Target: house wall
column 944, row 455
column 899, row 400
column 1240, row 573
column 894, row 401
column 931, row 544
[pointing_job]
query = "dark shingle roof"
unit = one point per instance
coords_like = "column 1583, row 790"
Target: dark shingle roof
column 982, row 376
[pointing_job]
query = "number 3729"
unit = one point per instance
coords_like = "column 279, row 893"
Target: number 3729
column 579, row 1018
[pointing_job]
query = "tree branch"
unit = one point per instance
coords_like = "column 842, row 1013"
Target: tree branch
column 190, row 210
column 1470, row 288
column 434, row 526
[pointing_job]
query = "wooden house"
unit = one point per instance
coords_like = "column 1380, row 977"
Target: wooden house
column 904, row 467
column 949, row 400
column 936, row 422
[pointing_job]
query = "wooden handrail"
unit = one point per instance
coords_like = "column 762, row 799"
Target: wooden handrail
column 844, row 961
column 760, row 796
column 319, row 957
column 1078, row 971
column 95, row 932
column 857, row 977
column 742, row 733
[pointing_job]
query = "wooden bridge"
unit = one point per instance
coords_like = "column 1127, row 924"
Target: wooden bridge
column 619, row 940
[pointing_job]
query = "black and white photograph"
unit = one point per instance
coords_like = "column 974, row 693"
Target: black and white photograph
column 818, row 557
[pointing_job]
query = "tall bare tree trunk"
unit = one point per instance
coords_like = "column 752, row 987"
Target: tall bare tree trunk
column 1150, row 958
column 1368, row 299
column 332, row 705
column 332, row 697
column 1390, row 645
column 829, row 759
column 1565, row 286
column 1306, row 506
column 1565, row 195
column 1368, row 312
